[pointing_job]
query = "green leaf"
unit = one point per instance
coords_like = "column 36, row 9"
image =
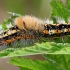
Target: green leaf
column 38, row 48
column 34, row 64
column 51, row 62
column 9, row 20
column 23, row 68
column 14, row 15
column 4, row 26
column 60, row 59
column 60, row 10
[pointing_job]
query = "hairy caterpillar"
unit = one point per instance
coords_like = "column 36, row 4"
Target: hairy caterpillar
column 28, row 27
column 48, row 28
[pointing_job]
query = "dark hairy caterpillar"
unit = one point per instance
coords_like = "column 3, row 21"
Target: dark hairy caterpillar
column 29, row 27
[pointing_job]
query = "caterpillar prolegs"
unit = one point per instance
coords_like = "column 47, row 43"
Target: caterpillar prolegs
column 30, row 27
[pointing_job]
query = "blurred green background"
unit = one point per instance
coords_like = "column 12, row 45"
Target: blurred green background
column 38, row 8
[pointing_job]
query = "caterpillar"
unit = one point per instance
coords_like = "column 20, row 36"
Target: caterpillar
column 28, row 27
column 48, row 29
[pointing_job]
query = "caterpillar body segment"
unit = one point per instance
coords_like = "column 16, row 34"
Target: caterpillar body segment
column 14, row 34
column 57, row 29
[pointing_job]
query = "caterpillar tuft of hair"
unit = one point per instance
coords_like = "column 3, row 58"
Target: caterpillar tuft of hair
column 29, row 23
column 28, row 27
